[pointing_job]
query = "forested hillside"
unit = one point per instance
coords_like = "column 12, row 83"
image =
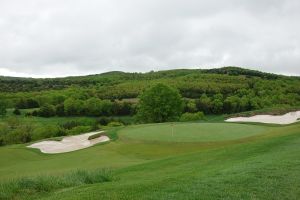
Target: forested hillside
column 223, row 90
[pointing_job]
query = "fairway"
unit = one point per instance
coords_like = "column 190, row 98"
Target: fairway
column 169, row 169
column 191, row 132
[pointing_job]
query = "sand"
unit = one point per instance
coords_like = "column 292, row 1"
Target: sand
column 287, row 118
column 69, row 143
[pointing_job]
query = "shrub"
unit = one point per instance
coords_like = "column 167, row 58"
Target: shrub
column 20, row 134
column 2, row 141
column 60, row 110
column 2, row 108
column 78, row 130
column 13, row 122
column 104, row 120
column 48, row 131
column 16, row 111
column 115, row 124
column 191, row 116
column 47, row 110
column 70, row 124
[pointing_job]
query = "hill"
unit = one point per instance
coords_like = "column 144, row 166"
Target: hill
column 16, row 84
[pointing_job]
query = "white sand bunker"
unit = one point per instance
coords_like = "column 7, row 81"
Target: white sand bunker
column 287, row 118
column 69, row 143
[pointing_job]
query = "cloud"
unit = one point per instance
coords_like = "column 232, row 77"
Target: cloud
column 59, row 38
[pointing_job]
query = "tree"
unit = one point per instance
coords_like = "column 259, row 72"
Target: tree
column 122, row 108
column 24, row 103
column 160, row 103
column 190, row 106
column 185, row 117
column 47, row 110
column 106, row 107
column 204, row 104
column 93, row 106
column 59, row 110
column 217, row 103
column 73, row 106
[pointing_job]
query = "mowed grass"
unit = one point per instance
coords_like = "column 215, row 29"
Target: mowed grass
column 264, row 165
column 192, row 132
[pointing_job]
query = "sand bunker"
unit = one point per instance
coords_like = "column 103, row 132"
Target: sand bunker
column 69, row 143
column 287, row 118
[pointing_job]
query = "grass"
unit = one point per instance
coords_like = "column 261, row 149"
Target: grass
column 267, row 168
column 31, row 186
column 97, row 135
column 209, row 161
column 191, row 132
column 45, row 121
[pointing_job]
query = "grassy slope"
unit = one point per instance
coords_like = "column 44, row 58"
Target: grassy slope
column 123, row 152
column 261, row 166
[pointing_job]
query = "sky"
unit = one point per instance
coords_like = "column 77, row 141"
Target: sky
column 56, row 38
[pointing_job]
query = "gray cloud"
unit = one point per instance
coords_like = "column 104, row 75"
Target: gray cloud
column 71, row 37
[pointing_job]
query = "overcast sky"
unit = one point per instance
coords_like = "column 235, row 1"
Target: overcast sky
column 49, row 38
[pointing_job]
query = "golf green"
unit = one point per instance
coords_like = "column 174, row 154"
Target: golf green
column 191, row 132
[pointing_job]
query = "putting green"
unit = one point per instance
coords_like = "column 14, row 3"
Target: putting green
column 191, row 132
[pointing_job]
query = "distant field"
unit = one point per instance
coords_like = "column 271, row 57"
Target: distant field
column 192, row 132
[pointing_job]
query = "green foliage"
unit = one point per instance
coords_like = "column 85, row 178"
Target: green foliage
column 47, row 110
column 94, row 106
column 16, row 111
column 14, row 132
column 121, row 108
column 205, row 104
column 3, row 108
column 190, row 106
column 192, row 116
column 160, row 103
column 79, row 129
column 60, row 110
column 24, row 103
column 114, row 124
column 70, row 124
column 73, row 106
column 97, row 135
column 249, row 90
column 106, row 107
column 48, row 131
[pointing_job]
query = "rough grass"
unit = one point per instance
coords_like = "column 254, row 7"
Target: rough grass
column 31, row 186
column 97, row 135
